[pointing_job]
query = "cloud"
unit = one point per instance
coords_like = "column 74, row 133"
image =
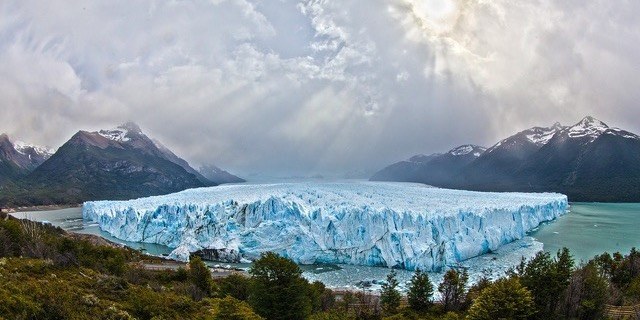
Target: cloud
column 299, row 87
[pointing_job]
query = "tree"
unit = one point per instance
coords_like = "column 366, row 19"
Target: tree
column 322, row 299
column 474, row 292
column 546, row 279
column 504, row 299
column 452, row 289
column 390, row 296
column 420, row 291
column 278, row 290
column 200, row 276
column 586, row 295
column 235, row 285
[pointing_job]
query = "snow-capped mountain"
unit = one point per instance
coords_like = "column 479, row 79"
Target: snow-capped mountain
column 588, row 128
column 120, row 163
column 435, row 169
column 588, row 161
column 505, row 157
column 538, row 136
column 17, row 159
column 33, row 151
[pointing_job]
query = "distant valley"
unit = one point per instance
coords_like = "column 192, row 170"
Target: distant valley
column 588, row 161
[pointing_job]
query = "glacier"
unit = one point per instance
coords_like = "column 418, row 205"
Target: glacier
column 400, row 225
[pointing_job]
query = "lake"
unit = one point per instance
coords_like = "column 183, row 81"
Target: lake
column 592, row 228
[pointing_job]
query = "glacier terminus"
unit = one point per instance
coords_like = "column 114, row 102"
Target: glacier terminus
column 400, row 225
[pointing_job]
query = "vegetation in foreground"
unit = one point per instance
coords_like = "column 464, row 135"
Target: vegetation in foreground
column 49, row 274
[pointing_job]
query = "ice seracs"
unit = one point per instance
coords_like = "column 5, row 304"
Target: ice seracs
column 377, row 224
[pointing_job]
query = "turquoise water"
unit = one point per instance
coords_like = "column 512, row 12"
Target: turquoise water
column 592, row 228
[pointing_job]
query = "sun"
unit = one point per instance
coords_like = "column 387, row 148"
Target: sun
column 437, row 15
column 436, row 9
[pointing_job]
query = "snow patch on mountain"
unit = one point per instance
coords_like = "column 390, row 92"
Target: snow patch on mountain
column 118, row 134
column 622, row 133
column 536, row 135
column 122, row 133
column 588, row 127
column 541, row 135
column 378, row 224
column 24, row 148
column 467, row 149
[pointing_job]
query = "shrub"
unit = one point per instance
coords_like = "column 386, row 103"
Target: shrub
column 504, row 299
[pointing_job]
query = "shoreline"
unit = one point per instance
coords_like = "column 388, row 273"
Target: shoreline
column 42, row 208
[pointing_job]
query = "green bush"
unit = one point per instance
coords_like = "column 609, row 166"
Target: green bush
column 504, row 299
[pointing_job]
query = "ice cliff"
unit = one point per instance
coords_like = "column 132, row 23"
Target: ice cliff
column 363, row 223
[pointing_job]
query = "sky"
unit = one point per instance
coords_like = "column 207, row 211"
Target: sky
column 330, row 87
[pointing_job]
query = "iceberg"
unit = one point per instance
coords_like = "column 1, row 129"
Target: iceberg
column 399, row 225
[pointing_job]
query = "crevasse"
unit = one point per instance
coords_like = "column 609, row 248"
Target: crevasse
column 363, row 223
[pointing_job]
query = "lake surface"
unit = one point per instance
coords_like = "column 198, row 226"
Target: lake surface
column 588, row 229
column 593, row 228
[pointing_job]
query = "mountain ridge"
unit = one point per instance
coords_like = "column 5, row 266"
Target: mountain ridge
column 588, row 161
column 119, row 163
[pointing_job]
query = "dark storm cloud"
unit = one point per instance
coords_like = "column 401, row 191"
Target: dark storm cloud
column 289, row 87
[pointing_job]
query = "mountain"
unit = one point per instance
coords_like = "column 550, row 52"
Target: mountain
column 121, row 163
column 499, row 163
column 131, row 135
column 436, row 169
column 588, row 161
column 218, row 176
column 17, row 159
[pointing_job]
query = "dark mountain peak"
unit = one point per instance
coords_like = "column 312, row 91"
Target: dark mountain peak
column 466, row 149
column 4, row 137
